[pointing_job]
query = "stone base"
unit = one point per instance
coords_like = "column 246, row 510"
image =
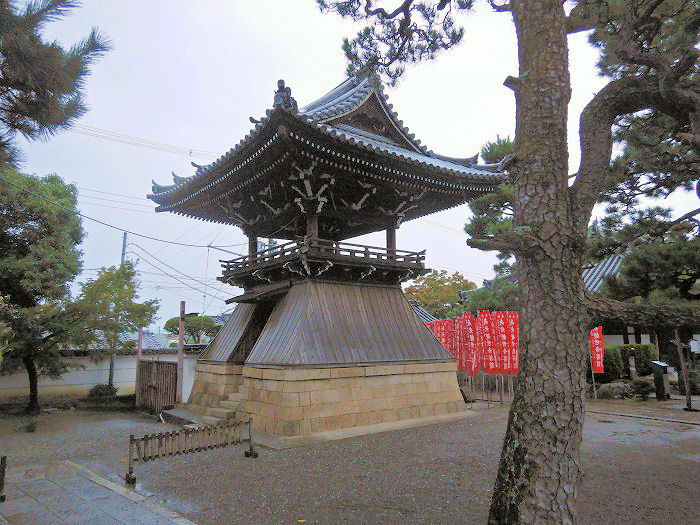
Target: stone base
column 213, row 382
column 303, row 401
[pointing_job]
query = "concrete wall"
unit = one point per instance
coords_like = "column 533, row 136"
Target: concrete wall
column 78, row 382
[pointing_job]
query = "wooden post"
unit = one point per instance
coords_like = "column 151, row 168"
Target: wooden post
column 180, row 354
column 499, row 383
column 590, row 356
column 139, row 345
column 3, row 466
column 684, row 370
column 130, row 478
column 391, row 242
column 252, row 247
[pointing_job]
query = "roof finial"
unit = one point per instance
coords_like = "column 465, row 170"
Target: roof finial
column 283, row 97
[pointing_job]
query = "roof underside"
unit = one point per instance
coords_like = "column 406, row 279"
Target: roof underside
column 346, row 157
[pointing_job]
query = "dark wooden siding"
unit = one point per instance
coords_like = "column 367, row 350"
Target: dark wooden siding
column 322, row 323
column 226, row 341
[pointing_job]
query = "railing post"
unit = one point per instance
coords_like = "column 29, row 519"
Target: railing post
column 130, row 478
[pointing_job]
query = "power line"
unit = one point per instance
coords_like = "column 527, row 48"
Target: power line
column 111, row 225
column 116, row 194
column 142, row 143
column 172, row 276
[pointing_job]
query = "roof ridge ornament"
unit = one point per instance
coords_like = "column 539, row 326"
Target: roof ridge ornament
column 283, row 97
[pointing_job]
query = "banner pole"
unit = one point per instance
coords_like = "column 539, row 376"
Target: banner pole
column 499, row 381
column 510, row 388
column 595, row 394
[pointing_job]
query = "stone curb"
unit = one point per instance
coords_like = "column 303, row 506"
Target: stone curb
column 130, row 495
column 637, row 416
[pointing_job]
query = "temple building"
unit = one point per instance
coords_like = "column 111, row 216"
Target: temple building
column 322, row 337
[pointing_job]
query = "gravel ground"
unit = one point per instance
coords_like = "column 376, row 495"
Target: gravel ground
column 634, row 471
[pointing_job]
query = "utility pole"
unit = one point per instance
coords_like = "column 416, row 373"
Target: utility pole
column 180, row 354
column 111, row 357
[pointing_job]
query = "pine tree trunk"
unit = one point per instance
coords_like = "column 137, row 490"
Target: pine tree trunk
column 33, row 406
column 539, row 464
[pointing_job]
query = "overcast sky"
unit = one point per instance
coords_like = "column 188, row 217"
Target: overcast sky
column 187, row 75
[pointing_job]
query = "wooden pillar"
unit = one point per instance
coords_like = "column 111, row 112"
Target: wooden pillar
column 252, row 246
column 391, row 241
column 312, row 226
column 180, row 354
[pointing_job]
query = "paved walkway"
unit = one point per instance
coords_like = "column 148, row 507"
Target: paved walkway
column 67, row 493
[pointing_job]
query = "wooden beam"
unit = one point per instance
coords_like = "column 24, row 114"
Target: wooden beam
column 312, row 225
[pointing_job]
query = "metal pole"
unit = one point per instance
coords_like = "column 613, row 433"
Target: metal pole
column 123, row 248
column 180, row 354
column 499, row 384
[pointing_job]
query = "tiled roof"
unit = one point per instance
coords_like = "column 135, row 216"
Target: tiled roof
column 149, row 342
column 422, row 314
column 594, row 276
column 346, row 97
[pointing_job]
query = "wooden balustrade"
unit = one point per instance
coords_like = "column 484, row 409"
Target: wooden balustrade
column 324, row 248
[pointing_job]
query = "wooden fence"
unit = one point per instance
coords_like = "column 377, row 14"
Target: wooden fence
column 156, row 384
column 185, row 441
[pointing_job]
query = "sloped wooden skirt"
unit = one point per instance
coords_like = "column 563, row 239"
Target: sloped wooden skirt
column 294, row 401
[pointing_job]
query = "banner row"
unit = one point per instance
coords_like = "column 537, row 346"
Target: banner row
column 488, row 342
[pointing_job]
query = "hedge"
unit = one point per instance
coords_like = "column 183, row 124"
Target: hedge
column 612, row 364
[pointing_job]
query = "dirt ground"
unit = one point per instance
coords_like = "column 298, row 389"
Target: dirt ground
column 634, row 470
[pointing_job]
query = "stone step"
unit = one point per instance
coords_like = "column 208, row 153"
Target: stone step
column 222, row 413
column 235, row 396
column 231, row 405
column 211, row 420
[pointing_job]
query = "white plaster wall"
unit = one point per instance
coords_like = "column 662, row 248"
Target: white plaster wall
column 79, row 381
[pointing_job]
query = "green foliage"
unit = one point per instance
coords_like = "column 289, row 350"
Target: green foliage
column 102, row 391
column 502, row 294
column 642, row 388
column 438, row 292
column 613, row 366
column 39, row 257
column 496, row 151
column 413, row 32
column 195, row 327
column 112, row 300
column 40, row 82
column 643, row 356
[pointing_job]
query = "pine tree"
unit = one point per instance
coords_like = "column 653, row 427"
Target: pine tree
column 39, row 257
column 649, row 54
column 40, row 82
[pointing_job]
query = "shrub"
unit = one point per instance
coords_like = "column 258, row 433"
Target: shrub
column 616, row 390
column 642, row 388
column 643, row 356
column 101, row 391
column 692, row 380
column 612, row 364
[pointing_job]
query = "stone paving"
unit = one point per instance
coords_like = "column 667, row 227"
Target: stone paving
column 67, row 493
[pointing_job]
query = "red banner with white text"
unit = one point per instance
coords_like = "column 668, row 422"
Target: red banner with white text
column 487, row 344
column 595, row 339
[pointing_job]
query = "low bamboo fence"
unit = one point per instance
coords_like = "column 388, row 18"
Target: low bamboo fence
column 186, row 441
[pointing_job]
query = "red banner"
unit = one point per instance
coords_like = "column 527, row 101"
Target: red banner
column 498, row 321
column 513, row 338
column 473, row 355
column 487, row 344
column 595, row 339
column 459, row 342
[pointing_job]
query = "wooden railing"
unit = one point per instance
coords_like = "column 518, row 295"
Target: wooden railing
column 324, row 248
column 185, row 441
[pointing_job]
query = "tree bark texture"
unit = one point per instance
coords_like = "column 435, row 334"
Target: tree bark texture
column 110, row 380
column 539, row 464
column 33, row 406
